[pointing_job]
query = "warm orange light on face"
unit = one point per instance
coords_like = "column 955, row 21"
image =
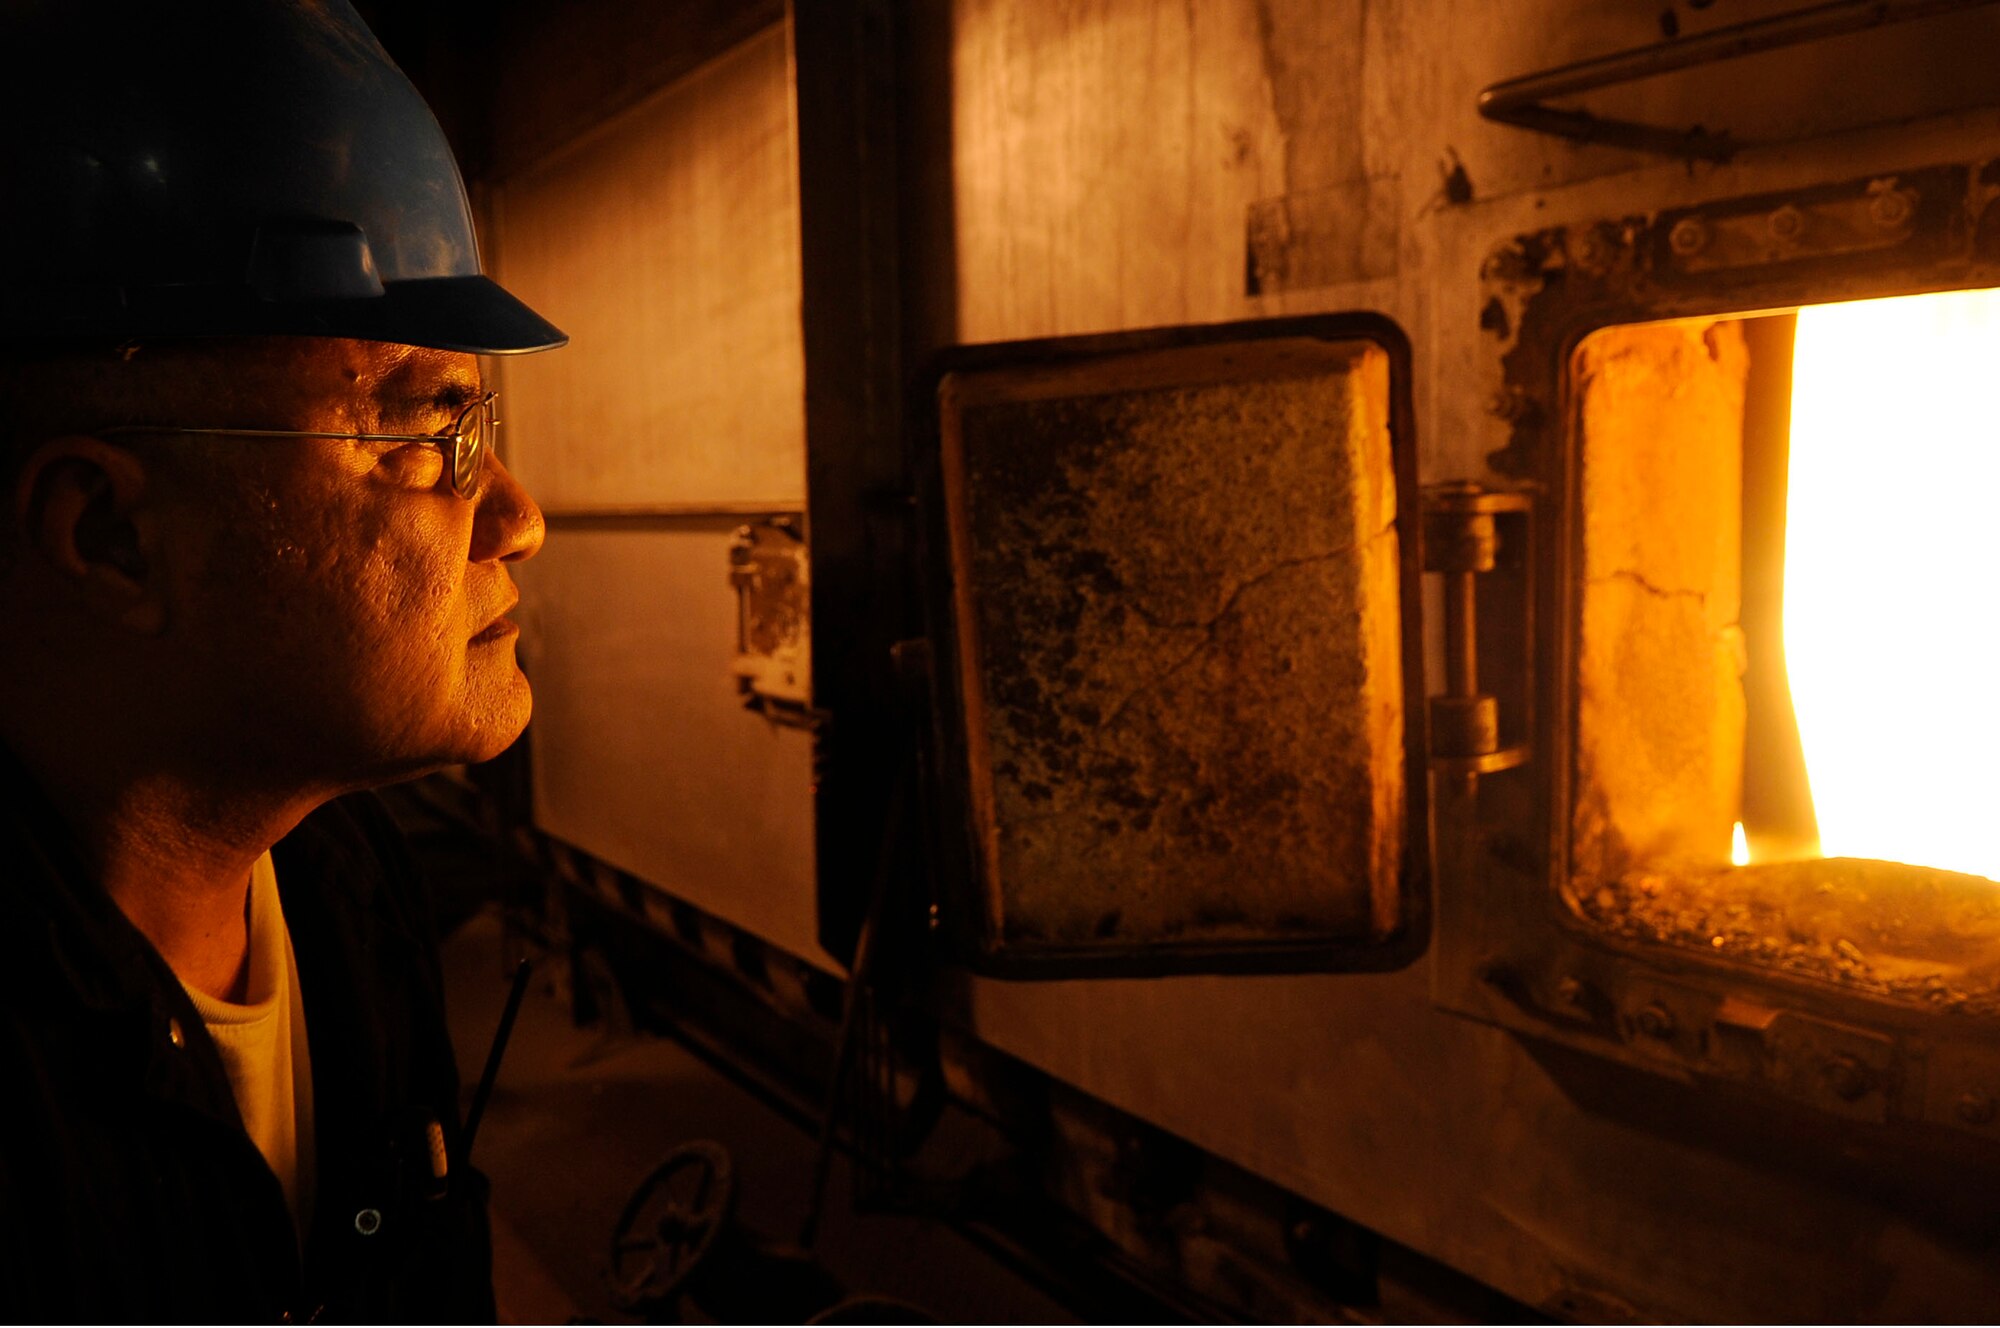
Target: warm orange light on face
column 1892, row 576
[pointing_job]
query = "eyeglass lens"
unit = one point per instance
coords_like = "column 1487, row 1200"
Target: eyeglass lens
column 472, row 436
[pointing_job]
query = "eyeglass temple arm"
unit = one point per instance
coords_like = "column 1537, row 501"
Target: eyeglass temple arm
column 284, row 433
column 485, row 402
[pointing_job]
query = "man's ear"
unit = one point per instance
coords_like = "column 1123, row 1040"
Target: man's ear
column 80, row 506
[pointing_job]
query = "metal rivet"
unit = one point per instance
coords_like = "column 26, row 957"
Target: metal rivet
column 1787, row 223
column 368, row 1221
column 1688, row 237
column 1890, row 209
column 175, row 1035
column 1656, row 1021
column 1974, row 1108
column 1593, row 250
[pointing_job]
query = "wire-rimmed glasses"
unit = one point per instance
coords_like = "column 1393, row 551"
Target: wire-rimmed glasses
column 464, row 447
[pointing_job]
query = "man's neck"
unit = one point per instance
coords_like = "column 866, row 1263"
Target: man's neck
column 174, row 852
column 186, row 889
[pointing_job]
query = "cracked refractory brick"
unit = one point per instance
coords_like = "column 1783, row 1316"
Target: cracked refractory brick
column 1179, row 582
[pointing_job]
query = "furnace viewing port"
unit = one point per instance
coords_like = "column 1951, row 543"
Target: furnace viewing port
column 1785, row 624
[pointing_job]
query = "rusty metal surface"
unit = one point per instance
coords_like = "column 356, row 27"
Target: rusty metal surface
column 1180, row 630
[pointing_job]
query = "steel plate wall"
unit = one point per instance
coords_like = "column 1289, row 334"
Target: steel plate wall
column 643, row 753
column 665, row 240
column 666, row 243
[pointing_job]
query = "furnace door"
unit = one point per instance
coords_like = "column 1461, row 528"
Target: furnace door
column 1177, row 645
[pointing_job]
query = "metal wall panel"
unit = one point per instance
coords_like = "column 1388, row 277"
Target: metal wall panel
column 643, row 753
column 665, row 242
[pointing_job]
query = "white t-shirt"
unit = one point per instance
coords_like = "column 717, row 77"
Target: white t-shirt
column 263, row 1047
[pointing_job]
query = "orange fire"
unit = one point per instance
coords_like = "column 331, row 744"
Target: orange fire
column 1892, row 576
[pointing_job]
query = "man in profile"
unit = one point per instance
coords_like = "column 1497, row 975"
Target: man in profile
column 253, row 561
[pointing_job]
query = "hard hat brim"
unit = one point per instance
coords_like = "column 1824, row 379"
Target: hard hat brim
column 473, row 314
column 466, row 313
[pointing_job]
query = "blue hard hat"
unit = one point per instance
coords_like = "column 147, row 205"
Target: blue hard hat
column 186, row 168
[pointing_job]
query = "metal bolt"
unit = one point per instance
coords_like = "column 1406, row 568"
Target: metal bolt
column 1974, row 1107
column 1787, row 224
column 1847, row 1077
column 1593, row 250
column 1890, row 209
column 1689, row 236
column 1656, row 1021
column 368, row 1221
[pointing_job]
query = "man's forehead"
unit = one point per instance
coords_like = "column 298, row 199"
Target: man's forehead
column 394, row 374
column 308, row 367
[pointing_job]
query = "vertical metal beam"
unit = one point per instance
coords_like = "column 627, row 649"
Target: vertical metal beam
column 856, row 486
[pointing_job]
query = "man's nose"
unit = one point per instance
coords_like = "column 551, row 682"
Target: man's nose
column 507, row 526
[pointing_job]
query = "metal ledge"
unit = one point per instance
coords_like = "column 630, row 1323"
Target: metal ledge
column 1521, row 101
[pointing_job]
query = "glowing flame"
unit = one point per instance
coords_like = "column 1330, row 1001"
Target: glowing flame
column 1739, row 847
column 1892, row 576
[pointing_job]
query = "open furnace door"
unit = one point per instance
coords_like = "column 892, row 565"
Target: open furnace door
column 1175, row 611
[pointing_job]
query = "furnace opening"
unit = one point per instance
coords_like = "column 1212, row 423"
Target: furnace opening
column 1787, row 614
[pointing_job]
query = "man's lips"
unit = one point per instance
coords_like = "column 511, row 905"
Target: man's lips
column 501, row 625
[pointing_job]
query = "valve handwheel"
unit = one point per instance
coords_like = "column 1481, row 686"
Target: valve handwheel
column 670, row 1224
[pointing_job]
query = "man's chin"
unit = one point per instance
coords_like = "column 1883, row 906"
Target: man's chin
column 478, row 734
column 498, row 728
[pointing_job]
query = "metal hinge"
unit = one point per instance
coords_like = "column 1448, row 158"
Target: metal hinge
column 1467, row 530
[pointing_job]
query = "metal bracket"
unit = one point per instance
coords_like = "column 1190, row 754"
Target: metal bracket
column 1462, row 542
column 771, row 573
column 1521, row 101
column 1691, row 1032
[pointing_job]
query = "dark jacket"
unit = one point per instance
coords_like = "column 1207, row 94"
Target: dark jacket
column 128, row 1188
